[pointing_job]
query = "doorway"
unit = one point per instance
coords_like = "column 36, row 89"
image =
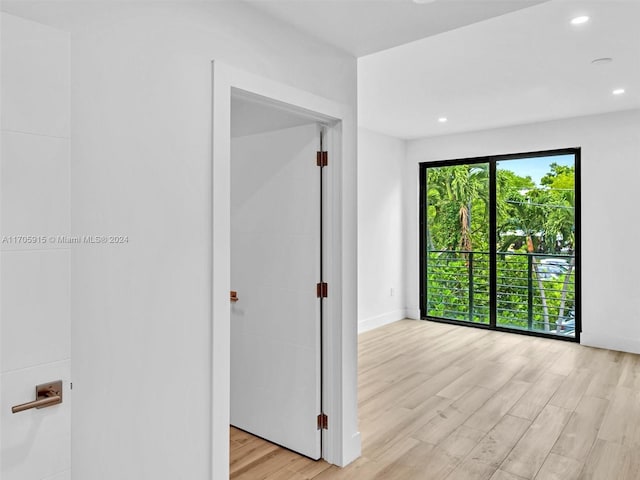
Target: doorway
column 276, row 265
column 341, row 439
column 500, row 242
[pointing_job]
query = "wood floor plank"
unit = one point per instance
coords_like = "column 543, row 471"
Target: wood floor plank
column 471, row 469
column 570, row 392
column 432, row 386
column 274, row 461
column 502, row 475
column 630, row 374
column 531, row 404
column 401, row 423
column 250, row 455
column 580, row 433
column 496, row 445
column 361, row 468
column 284, row 474
column 396, row 450
column 569, row 359
column 622, row 419
column 537, row 366
column 473, row 399
column 461, row 441
column 606, row 368
column 461, row 385
column 557, row 467
column 447, row 402
column 431, row 461
column 609, row 460
column 530, row 452
column 489, row 414
column 308, row 468
column 391, row 396
column 441, row 426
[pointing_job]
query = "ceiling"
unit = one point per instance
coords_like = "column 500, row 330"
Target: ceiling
column 527, row 66
column 480, row 63
column 357, row 27
column 251, row 115
column 362, row 27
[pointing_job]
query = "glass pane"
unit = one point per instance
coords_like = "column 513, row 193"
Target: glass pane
column 536, row 237
column 457, row 242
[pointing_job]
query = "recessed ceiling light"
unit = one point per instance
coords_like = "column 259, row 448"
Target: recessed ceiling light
column 421, row 2
column 602, row 61
column 442, row 119
column 618, row 91
column 579, row 20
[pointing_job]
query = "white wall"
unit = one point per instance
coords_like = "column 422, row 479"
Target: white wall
column 610, row 181
column 34, row 277
column 380, row 230
column 141, row 166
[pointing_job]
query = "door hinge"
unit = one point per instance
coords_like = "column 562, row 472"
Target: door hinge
column 322, row 290
column 322, row 159
column 323, row 422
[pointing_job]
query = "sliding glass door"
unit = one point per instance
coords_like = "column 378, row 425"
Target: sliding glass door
column 500, row 242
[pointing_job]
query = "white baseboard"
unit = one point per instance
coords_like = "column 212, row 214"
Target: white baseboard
column 352, row 451
column 622, row 344
column 380, row 320
column 412, row 312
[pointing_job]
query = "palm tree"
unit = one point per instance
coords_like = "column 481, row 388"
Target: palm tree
column 452, row 193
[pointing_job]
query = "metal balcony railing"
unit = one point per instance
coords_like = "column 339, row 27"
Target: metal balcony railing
column 534, row 291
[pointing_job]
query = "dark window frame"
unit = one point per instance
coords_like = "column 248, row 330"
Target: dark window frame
column 492, row 161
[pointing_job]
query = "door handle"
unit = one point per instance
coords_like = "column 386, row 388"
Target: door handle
column 47, row 395
column 233, row 296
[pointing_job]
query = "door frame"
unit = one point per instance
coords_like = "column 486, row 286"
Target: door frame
column 341, row 442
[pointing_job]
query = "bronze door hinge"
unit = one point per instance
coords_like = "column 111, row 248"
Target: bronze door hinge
column 323, row 422
column 322, row 290
column 322, row 159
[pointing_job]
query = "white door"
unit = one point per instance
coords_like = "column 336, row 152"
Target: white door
column 35, row 340
column 275, row 265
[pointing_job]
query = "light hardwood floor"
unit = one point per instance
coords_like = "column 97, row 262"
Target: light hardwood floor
column 446, row 402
